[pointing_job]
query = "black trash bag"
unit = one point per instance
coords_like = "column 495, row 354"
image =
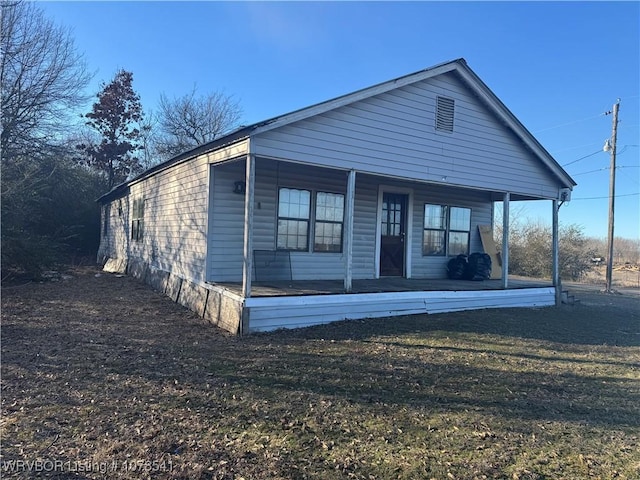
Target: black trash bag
column 478, row 267
column 456, row 267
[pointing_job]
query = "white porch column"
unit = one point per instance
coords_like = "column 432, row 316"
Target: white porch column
column 250, row 176
column 505, row 240
column 556, row 252
column 348, row 231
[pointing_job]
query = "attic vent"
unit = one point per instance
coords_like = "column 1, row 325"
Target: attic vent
column 444, row 114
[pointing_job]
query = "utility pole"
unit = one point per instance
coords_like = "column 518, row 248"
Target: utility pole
column 612, row 194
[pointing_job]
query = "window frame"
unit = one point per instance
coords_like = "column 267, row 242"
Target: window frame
column 328, row 222
column 307, row 220
column 451, row 230
column 137, row 220
column 312, row 221
column 106, row 220
column 442, row 229
column 446, row 230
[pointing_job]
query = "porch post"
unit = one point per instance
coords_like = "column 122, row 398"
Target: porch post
column 556, row 253
column 250, row 176
column 505, row 240
column 348, row 231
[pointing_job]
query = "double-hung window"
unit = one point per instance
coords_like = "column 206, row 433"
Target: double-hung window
column 295, row 228
column 294, row 209
column 137, row 220
column 459, row 229
column 435, row 230
column 446, row 230
column 328, row 224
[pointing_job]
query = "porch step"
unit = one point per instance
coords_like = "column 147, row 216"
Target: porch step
column 568, row 299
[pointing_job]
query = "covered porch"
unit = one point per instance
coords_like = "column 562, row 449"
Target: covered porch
column 292, row 304
column 287, row 288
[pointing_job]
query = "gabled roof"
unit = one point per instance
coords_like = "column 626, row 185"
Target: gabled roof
column 459, row 66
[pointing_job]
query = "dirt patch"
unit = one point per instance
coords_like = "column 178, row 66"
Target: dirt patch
column 104, row 378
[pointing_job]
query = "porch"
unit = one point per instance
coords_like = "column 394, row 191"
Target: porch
column 292, row 304
column 286, row 288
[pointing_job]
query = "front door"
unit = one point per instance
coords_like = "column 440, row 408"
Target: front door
column 393, row 226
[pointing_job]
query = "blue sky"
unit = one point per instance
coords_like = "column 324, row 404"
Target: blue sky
column 558, row 66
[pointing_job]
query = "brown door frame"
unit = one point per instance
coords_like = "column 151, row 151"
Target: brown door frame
column 408, row 226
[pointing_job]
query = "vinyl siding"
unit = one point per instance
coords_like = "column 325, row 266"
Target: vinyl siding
column 114, row 243
column 175, row 219
column 271, row 313
column 227, row 217
column 394, row 134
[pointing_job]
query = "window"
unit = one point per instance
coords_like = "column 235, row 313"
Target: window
column 446, row 230
column 444, row 114
column 435, row 229
column 106, row 220
column 137, row 220
column 328, row 224
column 459, row 228
column 293, row 219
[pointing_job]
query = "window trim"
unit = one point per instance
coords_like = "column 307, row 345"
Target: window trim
column 447, row 230
column 137, row 219
column 329, row 222
column 106, row 220
column 311, row 221
column 452, row 230
column 297, row 219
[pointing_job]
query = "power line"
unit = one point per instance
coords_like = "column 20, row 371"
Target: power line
column 604, row 168
column 570, row 123
column 600, row 198
column 582, row 158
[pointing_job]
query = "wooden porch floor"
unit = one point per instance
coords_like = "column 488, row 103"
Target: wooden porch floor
column 387, row 284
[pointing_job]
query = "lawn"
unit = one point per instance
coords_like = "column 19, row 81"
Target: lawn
column 104, row 378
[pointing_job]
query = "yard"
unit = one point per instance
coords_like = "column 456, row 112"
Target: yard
column 104, row 378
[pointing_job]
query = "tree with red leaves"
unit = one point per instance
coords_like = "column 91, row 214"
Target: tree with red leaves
column 116, row 117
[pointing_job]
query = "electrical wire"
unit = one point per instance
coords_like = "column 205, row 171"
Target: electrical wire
column 582, row 158
column 600, row 198
column 604, row 168
column 570, row 123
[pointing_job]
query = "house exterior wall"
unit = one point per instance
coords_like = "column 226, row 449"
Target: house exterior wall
column 175, row 222
column 394, row 134
column 227, row 210
column 114, row 237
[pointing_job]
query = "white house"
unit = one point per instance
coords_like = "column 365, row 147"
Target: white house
column 327, row 212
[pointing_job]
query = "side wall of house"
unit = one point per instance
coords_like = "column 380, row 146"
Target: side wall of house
column 394, row 134
column 227, row 214
column 175, row 220
column 114, row 230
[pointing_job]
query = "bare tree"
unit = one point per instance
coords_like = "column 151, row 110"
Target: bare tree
column 191, row 120
column 42, row 78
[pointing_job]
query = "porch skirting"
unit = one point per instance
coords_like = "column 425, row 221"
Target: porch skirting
column 225, row 308
column 271, row 313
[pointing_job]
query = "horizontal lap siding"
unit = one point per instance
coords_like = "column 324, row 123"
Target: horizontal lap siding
column 480, row 205
column 226, row 224
column 175, row 219
column 115, row 243
column 227, row 233
column 394, row 134
column 294, row 312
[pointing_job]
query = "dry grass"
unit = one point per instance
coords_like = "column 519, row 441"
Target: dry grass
column 623, row 276
column 102, row 375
